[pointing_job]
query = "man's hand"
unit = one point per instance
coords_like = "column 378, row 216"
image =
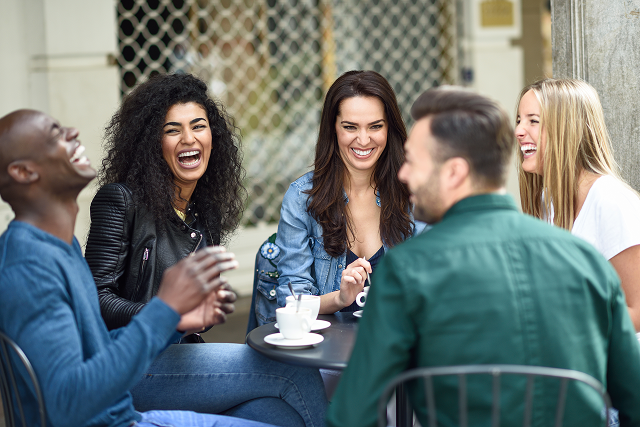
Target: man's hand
column 189, row 282
column 213, row 310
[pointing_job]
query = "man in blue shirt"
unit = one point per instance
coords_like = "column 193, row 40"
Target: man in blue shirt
column 486, row 285
column 49, row 304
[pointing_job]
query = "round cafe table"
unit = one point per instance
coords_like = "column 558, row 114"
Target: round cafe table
column 332, row 353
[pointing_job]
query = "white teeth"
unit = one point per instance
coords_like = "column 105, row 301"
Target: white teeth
column 76, row 155
column 191, row 153
column 362, row 152
column 528, row 147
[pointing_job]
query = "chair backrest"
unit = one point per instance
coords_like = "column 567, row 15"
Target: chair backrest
column 529, row 372
column 11, row 401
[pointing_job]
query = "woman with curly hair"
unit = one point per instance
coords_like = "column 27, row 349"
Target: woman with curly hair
column 337, row 221
column 171, row 184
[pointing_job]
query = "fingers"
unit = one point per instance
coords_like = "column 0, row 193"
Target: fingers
column 227, row 308
column 361, row 262
column 226, row 296
column 356, row 275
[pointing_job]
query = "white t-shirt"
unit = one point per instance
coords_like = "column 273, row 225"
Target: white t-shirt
column 609, row 219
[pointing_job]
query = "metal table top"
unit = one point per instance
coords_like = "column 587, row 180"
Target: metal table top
column 332, row 353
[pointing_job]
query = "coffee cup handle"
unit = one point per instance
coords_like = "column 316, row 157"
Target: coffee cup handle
column 306, row 324
column 361, row 298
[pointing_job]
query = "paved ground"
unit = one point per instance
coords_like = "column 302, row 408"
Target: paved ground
column 233, row 331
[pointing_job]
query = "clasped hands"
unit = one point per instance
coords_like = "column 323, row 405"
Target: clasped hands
column 194, row 288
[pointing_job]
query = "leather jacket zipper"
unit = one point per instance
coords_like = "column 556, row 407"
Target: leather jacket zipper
column 145, row 257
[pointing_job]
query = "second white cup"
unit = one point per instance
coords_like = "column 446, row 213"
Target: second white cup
column 308, row 301
column 294, row 324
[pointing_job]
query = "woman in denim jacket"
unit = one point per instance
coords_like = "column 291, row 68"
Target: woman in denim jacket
column 338, row 220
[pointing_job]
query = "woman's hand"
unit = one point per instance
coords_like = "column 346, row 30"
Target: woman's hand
column 352, row 282
column 213, row 310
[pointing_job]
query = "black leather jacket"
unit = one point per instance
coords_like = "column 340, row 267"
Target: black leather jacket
column 128, row 251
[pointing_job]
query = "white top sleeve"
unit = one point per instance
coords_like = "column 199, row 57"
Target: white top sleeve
column 610, row 217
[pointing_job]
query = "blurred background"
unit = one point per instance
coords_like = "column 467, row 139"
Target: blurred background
column 270, row 62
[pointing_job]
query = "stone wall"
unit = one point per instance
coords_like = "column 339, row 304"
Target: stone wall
column 598, row 41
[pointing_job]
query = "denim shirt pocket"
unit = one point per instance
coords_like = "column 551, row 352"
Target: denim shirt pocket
column 266, row 302
column 267, row 282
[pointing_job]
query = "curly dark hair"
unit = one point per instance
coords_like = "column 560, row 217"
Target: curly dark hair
column 134, row 153
column 326, row 203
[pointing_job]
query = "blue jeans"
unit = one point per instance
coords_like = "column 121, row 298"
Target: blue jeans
column 178, row 418
column 234, row 380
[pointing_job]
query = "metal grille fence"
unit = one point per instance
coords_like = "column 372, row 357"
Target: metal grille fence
column 270, row 62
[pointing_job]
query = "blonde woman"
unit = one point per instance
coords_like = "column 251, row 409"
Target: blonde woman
column 568, row 176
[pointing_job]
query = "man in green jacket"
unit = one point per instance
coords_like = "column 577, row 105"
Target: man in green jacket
column 486, row 285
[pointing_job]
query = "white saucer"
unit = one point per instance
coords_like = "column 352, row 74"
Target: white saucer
column 308, row 339
column 317, row 325
column 358, row 313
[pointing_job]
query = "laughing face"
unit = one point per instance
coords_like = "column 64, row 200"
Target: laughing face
column 58, row 152
column 529, row 133
column 361, row 128
column 186, row 143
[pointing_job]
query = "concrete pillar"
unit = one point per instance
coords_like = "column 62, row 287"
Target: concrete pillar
column 57, row 56
column 598, row 41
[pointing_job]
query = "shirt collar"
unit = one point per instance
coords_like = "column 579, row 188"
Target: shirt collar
column 487, row 201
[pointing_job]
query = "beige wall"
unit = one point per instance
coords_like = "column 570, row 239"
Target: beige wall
column 497, row 62
column 55, row 58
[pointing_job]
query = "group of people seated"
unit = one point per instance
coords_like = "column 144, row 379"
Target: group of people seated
column 460, row 275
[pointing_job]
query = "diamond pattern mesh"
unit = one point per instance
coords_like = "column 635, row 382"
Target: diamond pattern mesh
column 271, row 61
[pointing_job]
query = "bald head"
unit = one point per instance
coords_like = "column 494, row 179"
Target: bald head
column 17, row 130
column 18, row 133
column 35, row 148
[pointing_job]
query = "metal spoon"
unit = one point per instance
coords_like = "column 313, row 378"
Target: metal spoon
column 299, row 301
column 291, row 289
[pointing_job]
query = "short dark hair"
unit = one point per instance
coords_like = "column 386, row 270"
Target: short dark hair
column 470, row 126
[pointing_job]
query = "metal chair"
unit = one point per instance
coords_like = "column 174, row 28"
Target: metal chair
column 11, row 400
column 530, row 372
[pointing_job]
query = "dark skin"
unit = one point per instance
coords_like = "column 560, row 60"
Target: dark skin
column 42, row 172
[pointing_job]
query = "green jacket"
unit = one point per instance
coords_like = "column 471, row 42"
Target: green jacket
column 489, row 285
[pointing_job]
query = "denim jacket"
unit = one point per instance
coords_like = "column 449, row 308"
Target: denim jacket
column 296, row 253
column 303, row 259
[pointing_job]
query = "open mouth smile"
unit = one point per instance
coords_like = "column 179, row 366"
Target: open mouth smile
column 362, row 153
column 78, row 157
column 189, row 158
column 528, row 150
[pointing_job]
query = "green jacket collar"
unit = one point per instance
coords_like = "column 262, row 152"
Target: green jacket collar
column 487, row 201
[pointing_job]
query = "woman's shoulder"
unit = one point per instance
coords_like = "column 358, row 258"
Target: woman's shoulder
column 608, row 190
column 297, row 196
column 304, row 182
column 113, row 194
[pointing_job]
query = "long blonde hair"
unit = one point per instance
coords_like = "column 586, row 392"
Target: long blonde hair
column 572, row 120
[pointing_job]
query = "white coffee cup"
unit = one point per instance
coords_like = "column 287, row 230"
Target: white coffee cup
column 294, row 324
column 361, row 298
column 308, row 301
